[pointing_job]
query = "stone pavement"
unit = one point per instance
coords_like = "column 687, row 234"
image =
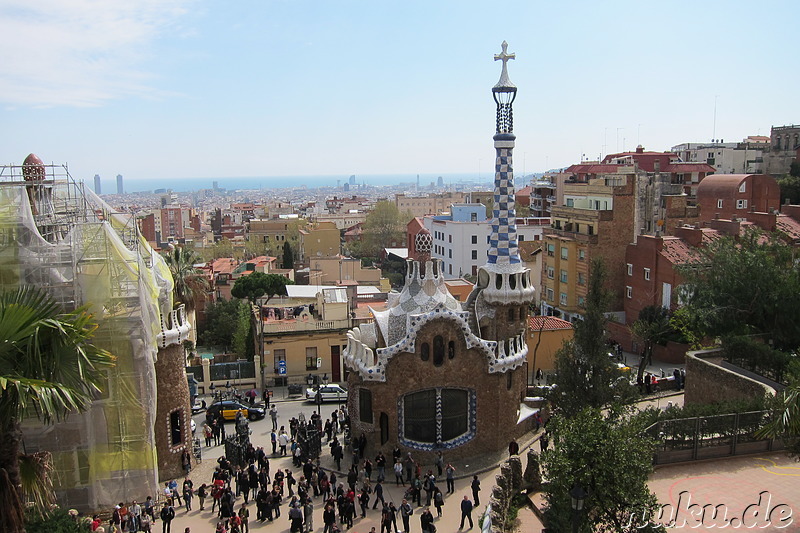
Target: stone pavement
column 759, row 492
column 486, row 467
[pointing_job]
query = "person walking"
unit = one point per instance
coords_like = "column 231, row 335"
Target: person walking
column 167, row 515
column 378, row 495
column 405, row 512
column 466, row 512
column 476, row 488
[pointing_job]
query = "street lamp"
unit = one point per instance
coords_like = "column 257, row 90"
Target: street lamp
column 577, row 497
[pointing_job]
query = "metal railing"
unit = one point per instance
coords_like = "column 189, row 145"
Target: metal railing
column 707, row 437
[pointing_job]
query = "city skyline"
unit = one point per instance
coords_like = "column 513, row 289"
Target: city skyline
column 188, row 89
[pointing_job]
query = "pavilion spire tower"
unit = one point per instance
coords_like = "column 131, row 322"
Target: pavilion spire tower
column 503, row 243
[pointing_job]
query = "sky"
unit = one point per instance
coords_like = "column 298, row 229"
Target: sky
column 169, row 89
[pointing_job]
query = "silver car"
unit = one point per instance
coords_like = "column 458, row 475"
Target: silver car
column 328, row 393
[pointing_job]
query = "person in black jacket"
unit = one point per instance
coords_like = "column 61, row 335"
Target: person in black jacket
column 466, row 512
column 426, row 521
column 167, row 515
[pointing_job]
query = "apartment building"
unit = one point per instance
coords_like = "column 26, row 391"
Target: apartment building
column 745, row 157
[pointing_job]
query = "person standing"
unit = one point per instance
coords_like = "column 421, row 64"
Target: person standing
column 329, row 518
column 295, row 519
column 426, row 521
column 476, row 488
column 283, row 440
column 308, row 516
column 202, row 493
column 398, row 473
column 244, row 516
column 439, row 462
column 167, row 515
column 438, row 501
column 405, row 512
column 450, row 473
column 363, row 500
column 273, row 414
column 466, row 512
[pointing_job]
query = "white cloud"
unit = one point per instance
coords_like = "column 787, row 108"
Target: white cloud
column 79, row 52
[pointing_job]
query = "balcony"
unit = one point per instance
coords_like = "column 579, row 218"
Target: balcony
column 275, row 327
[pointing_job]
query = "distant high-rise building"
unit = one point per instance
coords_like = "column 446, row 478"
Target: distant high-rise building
column 97, row 184
column 440, row 182
column 215, row 185
column 120, row 188
column 353, row 179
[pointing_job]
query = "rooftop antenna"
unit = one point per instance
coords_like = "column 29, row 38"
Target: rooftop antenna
column 714, row 130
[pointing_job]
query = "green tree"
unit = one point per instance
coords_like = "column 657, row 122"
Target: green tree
column 48, row 368
column 610, row 457
column 653, row 327
column 384, row 226
column 242, row 339
column 190, row 282
column 257, row 285
column 288, row 256
column 790, row 185
column 745, row 286
column 585, row 375
column 221, row 322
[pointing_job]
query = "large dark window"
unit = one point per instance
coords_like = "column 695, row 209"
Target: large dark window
column 425, row 351
column 419, row 422
column 420, row 415
column 365, row 405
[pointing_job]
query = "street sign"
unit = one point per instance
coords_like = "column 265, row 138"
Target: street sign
column 282, row 363
column 319, row 362
column 282, row 370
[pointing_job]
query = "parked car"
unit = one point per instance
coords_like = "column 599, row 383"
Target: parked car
column 229, row 408
column 329, row 393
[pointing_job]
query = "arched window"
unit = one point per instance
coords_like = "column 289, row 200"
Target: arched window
column 438, row 350
column 498, row 281
column 512, row 281
column 509, row 380
column 425, row 351
column 511, row 314
column 451, row 350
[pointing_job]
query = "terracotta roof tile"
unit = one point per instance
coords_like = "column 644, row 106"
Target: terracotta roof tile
column 788, row 226
column 678, row 252
column 550, row 323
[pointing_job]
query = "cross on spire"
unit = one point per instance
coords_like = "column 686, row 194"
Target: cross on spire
column 504, row 56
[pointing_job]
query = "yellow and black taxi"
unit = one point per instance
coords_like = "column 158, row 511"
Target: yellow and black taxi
column 229, row 408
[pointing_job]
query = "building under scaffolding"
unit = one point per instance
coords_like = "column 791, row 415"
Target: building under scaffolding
column 58, row 235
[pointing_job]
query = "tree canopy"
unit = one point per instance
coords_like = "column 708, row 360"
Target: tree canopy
column 585, row 375
column 745, row 286
column 257, row 285
column 222, row 322
column 608, row 456
column 190, row 282
column 49, row 367
column 384, row 226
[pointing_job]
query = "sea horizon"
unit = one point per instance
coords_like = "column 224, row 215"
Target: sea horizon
column 108, row 186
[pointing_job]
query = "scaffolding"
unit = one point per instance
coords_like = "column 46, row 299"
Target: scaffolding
column 61, row 237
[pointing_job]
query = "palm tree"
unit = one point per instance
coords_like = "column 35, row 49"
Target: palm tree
column 48, row 368
column 190, row 283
